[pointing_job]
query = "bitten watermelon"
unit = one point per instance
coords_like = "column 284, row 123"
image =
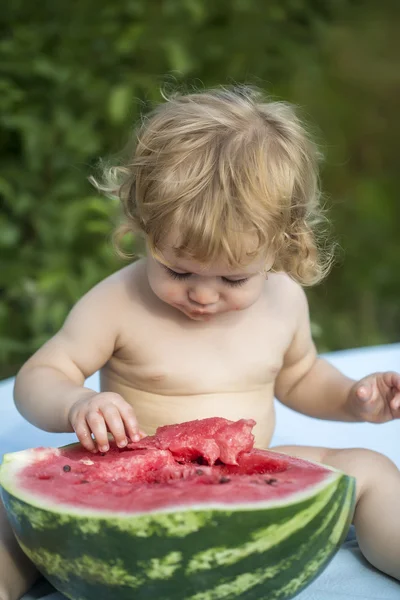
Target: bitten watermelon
column 192, row 513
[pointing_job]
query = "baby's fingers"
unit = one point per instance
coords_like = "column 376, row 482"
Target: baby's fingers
column 115, row 425
column 84, row 435
column 97, row 425
column 395, row 406
column 370, row 405
column 392, row 380
column 365, row 396
column 131, row 424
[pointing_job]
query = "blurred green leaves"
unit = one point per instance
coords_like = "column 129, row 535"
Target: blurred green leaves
column 74, row 78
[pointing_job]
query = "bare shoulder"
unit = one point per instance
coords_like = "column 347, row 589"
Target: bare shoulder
column 106, row 304
column 288, row 293
column 91, row 332
column 119, row 280
column 117, row 287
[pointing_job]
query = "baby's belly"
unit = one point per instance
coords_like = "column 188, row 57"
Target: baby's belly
column 153, row 410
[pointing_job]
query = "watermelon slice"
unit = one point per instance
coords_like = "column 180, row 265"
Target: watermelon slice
column 194, row 513
column 206, row 439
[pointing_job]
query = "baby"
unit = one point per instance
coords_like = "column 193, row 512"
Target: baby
column 213, row 322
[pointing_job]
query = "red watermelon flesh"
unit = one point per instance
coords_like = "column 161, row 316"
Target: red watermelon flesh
column 207, row 439
column 146, row 477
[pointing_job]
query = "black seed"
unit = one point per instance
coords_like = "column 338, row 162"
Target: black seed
column 84, row 481
column 66, row 468
column 199, row 472
column 271, row 481
column 224, row 479
column 102, row 453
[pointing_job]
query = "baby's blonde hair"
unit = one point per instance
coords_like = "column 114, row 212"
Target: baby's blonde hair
column 222, row 167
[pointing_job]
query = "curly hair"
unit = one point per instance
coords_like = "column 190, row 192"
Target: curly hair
column 217, row 166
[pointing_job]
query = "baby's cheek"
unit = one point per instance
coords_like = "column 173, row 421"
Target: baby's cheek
column 243, row 305
column 170, row 293
column 245, row 299
column 239, row 304
column 158, row 288
column 173, row 293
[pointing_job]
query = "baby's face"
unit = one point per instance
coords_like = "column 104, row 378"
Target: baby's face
column 203, row 291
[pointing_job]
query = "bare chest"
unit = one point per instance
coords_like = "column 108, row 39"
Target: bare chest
column 175, row 358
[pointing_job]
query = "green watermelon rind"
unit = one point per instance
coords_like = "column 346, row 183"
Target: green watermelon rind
column 252, row 551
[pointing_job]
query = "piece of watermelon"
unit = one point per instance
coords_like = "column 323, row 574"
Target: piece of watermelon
column 176, row 517
column 207, row 439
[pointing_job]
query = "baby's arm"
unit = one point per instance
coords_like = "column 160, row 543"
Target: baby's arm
column 51, row 382
column 309, row 384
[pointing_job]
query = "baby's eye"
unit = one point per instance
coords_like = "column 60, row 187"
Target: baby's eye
column 235, row 282
column 176, row 275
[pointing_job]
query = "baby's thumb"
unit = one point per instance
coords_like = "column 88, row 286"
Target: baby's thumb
column 365, row 398
column 364, row 392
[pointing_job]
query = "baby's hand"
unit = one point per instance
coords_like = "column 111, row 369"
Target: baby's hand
column 102, row 413
column 376, row 398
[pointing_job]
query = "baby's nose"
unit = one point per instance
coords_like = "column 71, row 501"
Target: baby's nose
column 202, row 295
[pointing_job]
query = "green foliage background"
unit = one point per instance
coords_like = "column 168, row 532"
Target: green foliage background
column 74, row 77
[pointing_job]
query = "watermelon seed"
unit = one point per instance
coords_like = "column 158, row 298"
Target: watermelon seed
column 199, row 472
column 271, row 481
column 66, row 468
column 224, row 479
column 84, row 481
column 102, row 453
